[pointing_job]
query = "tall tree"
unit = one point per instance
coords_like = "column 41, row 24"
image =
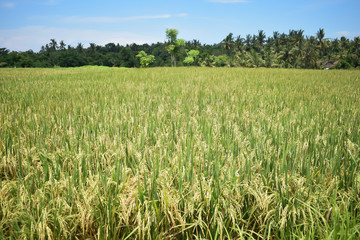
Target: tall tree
column 310, row 53
column 228, row 44
column 248, row 42
column 80, row 48
column 357, row 46
column 53, row 45
column 239, row 43
column 261, row 38
column 276, row 37
column 175, row 45
column 320, row 35
column 62, row 45
column 92, row 49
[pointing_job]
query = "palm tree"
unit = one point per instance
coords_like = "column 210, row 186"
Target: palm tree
column 261, row 38
column 92, row 49
column 53, row 45
column 254, row 42
column 239, row 42
column 357, row 46
column 300, row 38
column 195, row 43
column 80, row 48
column 62, row 45
column 228, row 44
column 320, row 36
column 310, row 53
column 344, row 46
column 335, row 46
column 248, row 42
column 276, row 36
column 295, row 39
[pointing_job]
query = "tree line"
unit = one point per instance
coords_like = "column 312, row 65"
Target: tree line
column 278, row 50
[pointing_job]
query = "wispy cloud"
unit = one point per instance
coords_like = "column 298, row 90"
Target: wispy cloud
column 33, row 37
column 78, row 19
column 228, row 1
column 8, row 5
column 344, row 33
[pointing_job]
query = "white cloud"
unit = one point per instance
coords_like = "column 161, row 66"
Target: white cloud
column 228, row 1
column 8, row 4
column 344, row 33
column 33, row 37
column 77, row 19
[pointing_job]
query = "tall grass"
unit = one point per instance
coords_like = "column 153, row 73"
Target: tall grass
column 179, row 153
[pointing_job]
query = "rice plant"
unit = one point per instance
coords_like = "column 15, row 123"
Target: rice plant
column 185, row 153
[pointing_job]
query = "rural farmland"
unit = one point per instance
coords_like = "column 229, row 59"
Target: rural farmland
column 179, row 153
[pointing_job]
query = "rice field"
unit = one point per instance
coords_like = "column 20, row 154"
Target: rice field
column 179, row 153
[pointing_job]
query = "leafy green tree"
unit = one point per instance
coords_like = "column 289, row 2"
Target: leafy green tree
column 209, row 61
column 71, row 58
column 291, row 50
column 191, row 56
column 357, row 46
column 127, row 57
column 145, row 59
column 268, row 59
column 26, row 59
column 175, row 45
column 221, row 61
column 3, row 57
column 255, row 59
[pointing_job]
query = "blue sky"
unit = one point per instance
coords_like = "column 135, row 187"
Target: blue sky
column 29, row 24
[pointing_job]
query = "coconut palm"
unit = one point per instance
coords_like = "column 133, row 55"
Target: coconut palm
column 62, row 45
column 310, row 53
column 261, row 38
column 53, row 45
column 228, row 44
column 320, row 37
column 92, row 49
column 239, row 43
column 80, row 48
column 248, row 42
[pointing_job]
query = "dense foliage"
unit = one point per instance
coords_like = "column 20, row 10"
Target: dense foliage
column 292, row 50
column 179, row 153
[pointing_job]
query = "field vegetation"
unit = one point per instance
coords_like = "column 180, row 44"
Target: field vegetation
column 179, row 153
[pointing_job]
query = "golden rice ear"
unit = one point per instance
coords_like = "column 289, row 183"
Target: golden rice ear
column 2, row 147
